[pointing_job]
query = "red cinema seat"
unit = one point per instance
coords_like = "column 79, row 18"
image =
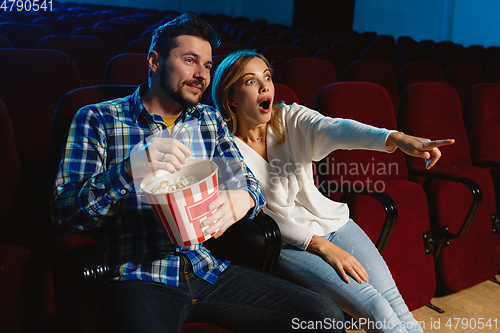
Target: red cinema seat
column 11, row 168
column 481, row 111
column 138, row 46
column 379, row 72
column 391, row 209
column 420, row 71
column 4, row 43
column 112, row 38
column 89, row 54
column 339, row 58
column 413, row 56
column 58, row 26
column 279, row 54
column 306, row 76
column 259, row 43
column 463, row 75
column 31, row 104
column 482, row 58
column 33, row 259
column 283, row 94
column 381, row 55
column 446, row 58
column 310, row 45
column 127, row 69
column 492, row 73
column 24, row 36
column 461, row 196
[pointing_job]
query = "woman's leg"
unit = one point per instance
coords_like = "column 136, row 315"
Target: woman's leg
column 377, row 304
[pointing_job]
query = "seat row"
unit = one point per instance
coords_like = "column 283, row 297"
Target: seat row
column 51, row 282
column 112, row 34
column 410, row 61
column 452, row 217
column 436, row 218
column 444, row 220
column 449, row 211
column 59, row 75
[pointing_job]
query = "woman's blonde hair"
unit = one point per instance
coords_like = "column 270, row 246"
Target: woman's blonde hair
column 227, row 73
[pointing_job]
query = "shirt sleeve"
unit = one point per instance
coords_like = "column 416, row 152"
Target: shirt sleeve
column 323, row 135
column 236, row 174
column 86, row 188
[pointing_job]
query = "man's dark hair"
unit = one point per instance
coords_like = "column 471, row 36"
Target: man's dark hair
column 164, row 37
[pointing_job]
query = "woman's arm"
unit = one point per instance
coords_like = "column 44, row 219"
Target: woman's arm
column 418, row 147
column 315, row 135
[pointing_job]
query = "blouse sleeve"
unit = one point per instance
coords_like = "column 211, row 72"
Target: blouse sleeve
column 317, row 135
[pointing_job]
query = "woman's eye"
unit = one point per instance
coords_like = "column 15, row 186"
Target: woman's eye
column 268, row 78
column 249, row 82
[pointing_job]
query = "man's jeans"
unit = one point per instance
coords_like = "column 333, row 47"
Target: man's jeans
column 241, row 300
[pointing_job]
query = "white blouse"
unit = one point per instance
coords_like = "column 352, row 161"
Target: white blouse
column 293, row 200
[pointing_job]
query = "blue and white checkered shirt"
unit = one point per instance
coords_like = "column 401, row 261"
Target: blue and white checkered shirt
column 94, row 193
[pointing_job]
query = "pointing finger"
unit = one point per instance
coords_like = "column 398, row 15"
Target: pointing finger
column 437, row 143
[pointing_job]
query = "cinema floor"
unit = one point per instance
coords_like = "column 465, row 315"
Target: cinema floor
column 476, row 309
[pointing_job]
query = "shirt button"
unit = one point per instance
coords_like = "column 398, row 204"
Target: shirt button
column 123, row 191
column 177, row 250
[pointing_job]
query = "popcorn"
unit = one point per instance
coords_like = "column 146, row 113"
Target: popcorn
column 174, row 184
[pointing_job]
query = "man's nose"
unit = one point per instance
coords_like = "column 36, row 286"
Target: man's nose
column 202, row 72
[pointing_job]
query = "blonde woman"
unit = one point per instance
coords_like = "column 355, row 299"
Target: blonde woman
column 326, row 251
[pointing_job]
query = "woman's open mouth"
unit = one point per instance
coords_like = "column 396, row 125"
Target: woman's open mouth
column 265, row 105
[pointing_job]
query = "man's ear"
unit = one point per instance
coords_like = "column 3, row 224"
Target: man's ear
column 154, row 61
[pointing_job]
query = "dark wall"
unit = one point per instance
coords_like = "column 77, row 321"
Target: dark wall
column 324, row 15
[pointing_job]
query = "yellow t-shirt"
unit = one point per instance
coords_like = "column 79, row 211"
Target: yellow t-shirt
column 170, row 122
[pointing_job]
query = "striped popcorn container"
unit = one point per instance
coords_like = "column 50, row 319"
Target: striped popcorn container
column 181, row 211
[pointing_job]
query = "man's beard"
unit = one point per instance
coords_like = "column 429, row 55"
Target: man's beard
column 177, row 96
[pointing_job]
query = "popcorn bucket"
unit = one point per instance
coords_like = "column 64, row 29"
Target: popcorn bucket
column 181, row 211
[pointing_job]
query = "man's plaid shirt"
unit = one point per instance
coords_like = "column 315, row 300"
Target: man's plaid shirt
column 93, row 192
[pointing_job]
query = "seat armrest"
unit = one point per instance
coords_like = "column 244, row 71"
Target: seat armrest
column 477, row 199
column 264, row 232
column 391, row 216
column 442, row 233
column 91, row 271
column 79, row 270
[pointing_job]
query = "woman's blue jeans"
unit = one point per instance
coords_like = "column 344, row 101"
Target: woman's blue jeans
column 241, row 300
column 377, row 304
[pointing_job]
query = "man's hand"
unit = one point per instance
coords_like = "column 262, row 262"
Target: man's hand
column 160, row 154
column 418, row 147
column 231, row 206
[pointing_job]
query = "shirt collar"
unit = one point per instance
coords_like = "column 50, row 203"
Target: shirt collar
column 136, row 105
